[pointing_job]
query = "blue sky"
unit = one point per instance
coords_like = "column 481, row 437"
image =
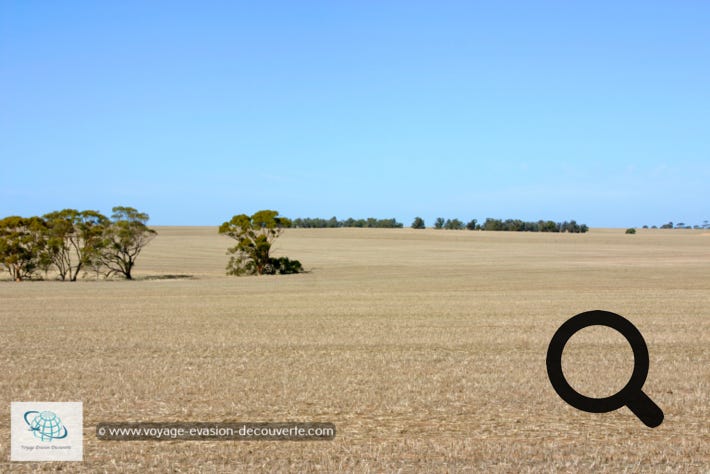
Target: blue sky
column 195, row 111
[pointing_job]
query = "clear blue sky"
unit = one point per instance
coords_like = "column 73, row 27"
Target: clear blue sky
column 195, row 111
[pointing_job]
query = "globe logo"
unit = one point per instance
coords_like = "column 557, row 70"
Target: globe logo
column 45, row 425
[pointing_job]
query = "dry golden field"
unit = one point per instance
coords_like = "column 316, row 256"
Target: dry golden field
column 425, row 348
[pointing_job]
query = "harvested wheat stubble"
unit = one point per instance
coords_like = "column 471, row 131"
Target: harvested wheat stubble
column 425, row 348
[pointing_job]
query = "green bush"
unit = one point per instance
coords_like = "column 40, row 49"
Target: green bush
column 630, row 230
column 285, row 266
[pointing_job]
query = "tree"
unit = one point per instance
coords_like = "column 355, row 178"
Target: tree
column 439, row 223
column 570, row 226
column 254, row 236
column 453, row 224
column 124, row 239
column 630, row 230
column 75, row 240
column 492, row 224
column 22, row 245
column 418, row 223
column 472, row 224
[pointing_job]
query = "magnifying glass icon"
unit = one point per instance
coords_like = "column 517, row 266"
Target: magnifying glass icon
column 631, row 395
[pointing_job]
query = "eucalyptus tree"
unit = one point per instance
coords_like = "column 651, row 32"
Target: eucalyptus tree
column 255, row 235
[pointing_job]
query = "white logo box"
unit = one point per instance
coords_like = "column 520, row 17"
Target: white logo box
column 46, row 431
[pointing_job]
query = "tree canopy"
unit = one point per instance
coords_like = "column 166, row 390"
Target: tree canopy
column 72, row 241
column 75, row 240
column 124, row 239
column 255, row 235
column 23, row 245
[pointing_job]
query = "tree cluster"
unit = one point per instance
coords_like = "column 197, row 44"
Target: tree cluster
column 681, row 225
column 71, row 241
column 370, row 222
column 255, row 235
column 515, row 225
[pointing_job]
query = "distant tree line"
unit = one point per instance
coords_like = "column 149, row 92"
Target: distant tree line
column 513, row 225
column 71, row 242
column 320, row 223
column 680, row 225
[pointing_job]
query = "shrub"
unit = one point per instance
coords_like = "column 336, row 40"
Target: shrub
column 285, row 266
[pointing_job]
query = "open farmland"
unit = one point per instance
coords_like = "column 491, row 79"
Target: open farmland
column 425, row 348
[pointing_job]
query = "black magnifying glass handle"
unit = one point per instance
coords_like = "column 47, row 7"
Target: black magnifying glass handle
column 645, row 409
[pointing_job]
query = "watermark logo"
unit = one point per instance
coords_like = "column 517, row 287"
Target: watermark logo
column 46, row 431
column 45, row 425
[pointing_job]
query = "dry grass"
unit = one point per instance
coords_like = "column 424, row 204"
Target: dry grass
column 426, row 348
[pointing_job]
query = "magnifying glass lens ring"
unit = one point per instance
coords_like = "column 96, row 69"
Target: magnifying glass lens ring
column 571, row 327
